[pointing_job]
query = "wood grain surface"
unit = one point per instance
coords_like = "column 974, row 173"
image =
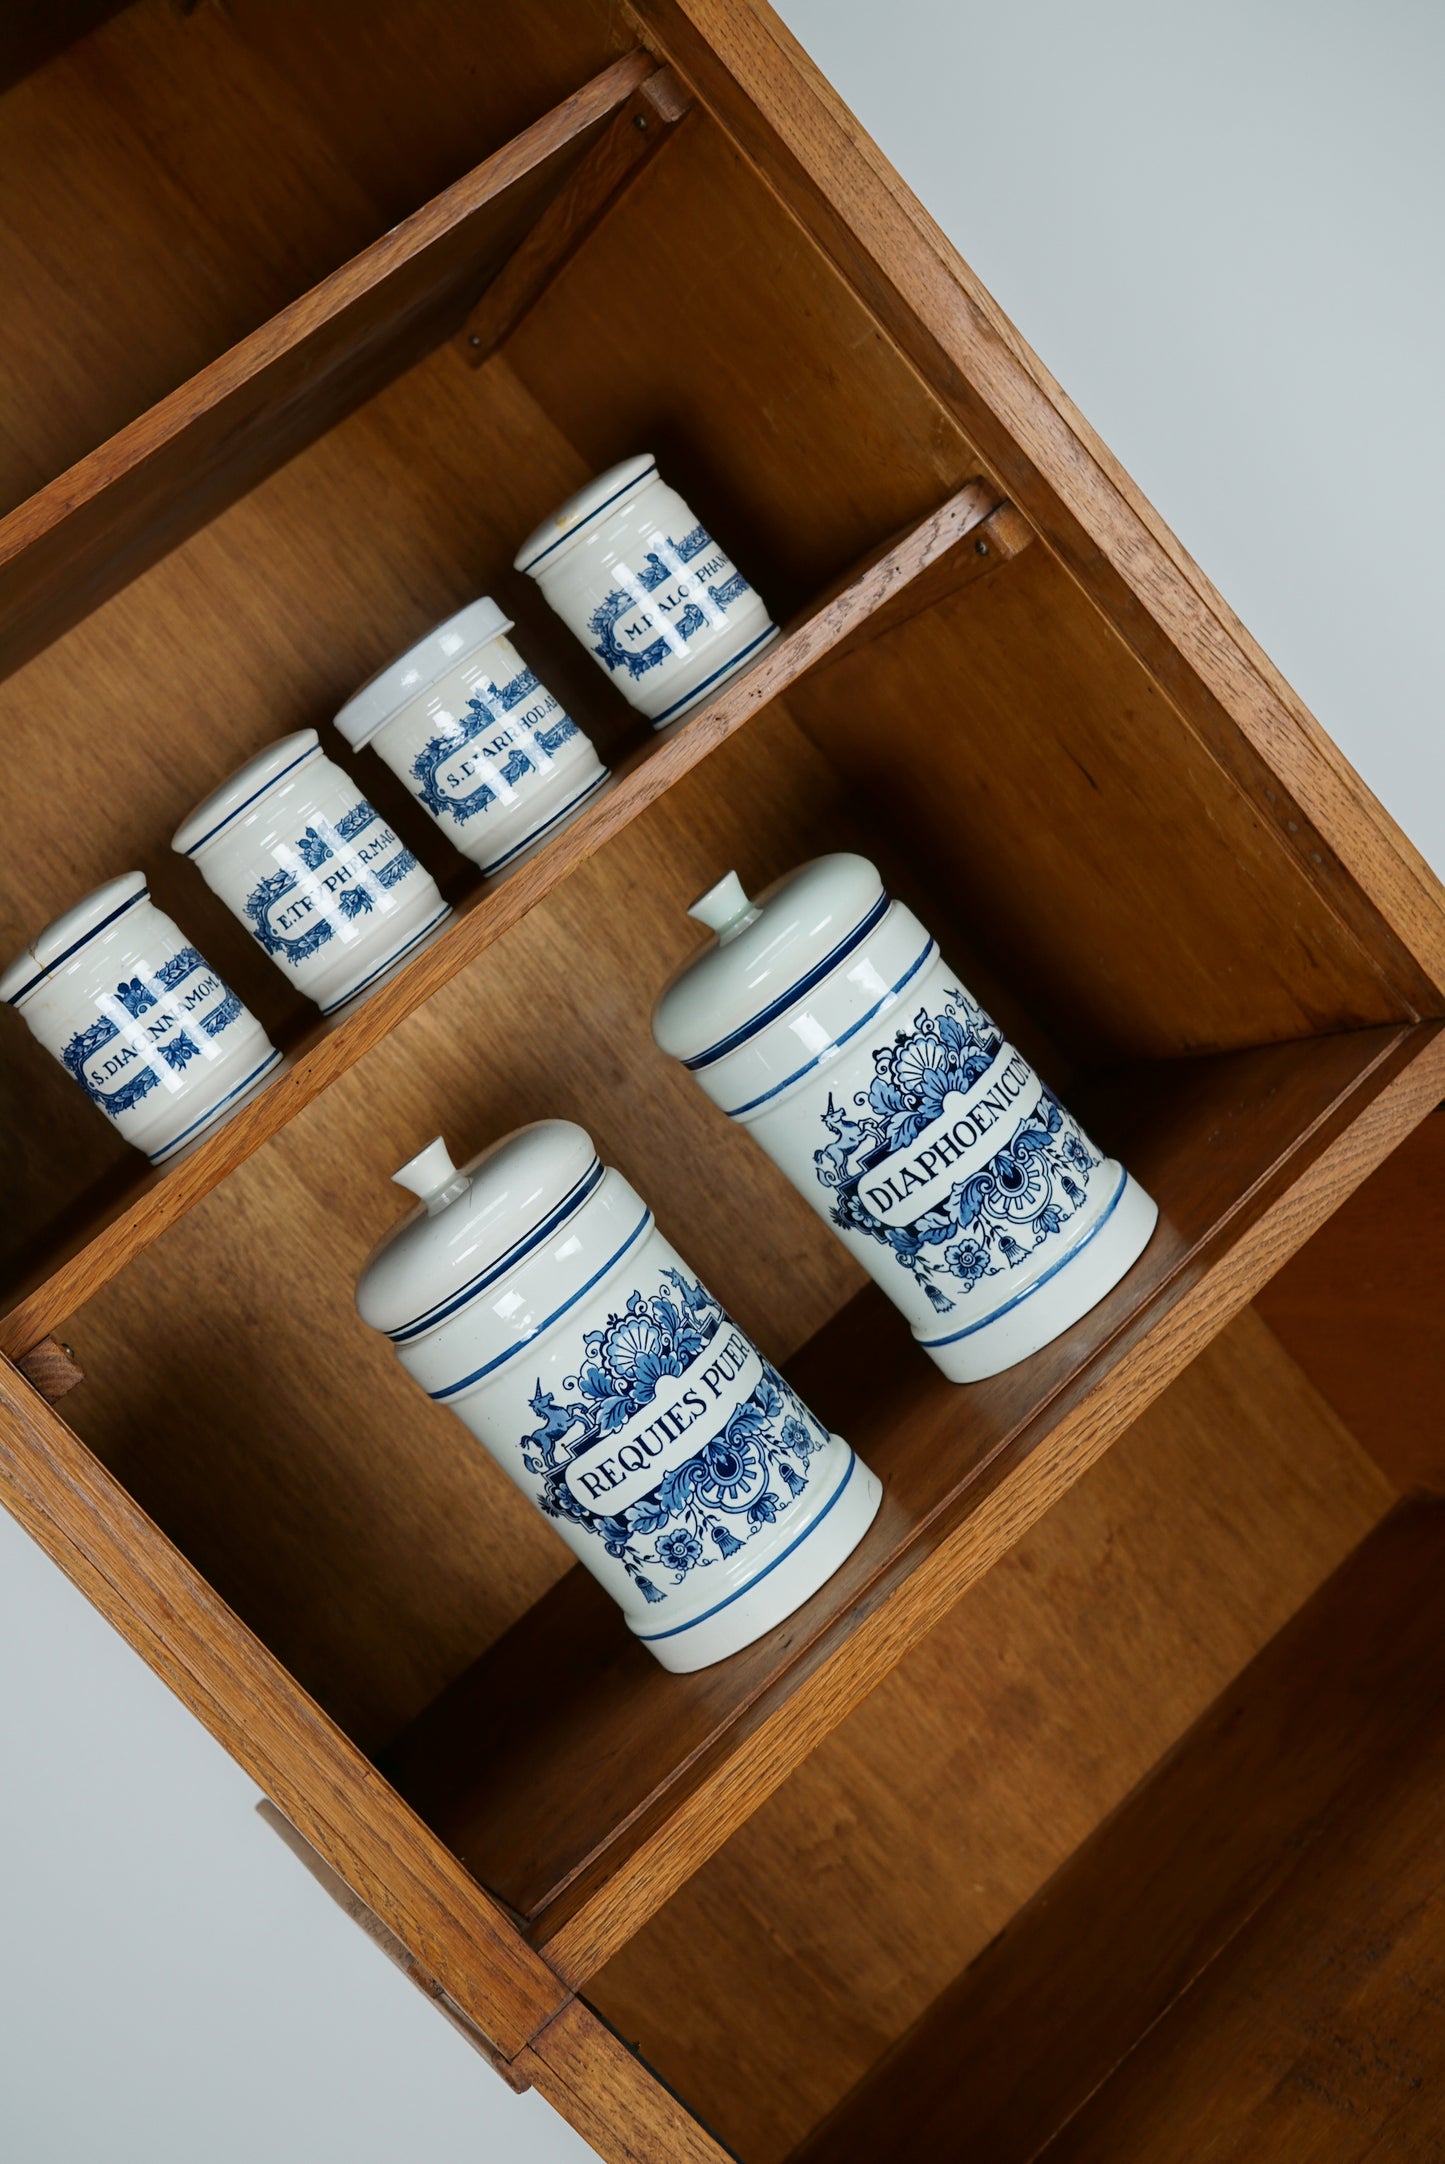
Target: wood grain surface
column 1362, row 1308
column 644, row 1776
column 605, row 2091
column 1013, row 702
column 842, row 1912
column 354, row 1524
column 236, row 244
column 65, row 1282
column 176, row 180
column 51, row 1368
column 634, row 135
column 757, row 80
column 1217, row 1863
column 88, row 1524
column 112, row 515
column 1317, row 2035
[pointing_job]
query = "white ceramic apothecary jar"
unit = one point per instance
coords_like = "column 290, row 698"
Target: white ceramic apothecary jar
column 463, row 721
column 533, row 1293
column 312, row 870
column 150, row 1032
column 825, row 1019
column 652, row 597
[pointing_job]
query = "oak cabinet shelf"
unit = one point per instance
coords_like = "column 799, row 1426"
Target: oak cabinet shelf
column 444, row 264
column 566, row 1706
column 114, row 1226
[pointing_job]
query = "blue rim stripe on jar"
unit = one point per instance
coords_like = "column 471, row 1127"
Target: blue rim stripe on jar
column 476, row 1286
column 47, row 968
column 583, row 523
column 795, row 992
column 649, row 1637
column 159, row 1156
column 928, row 1343
column 690, row 698
column 929, row 951
column 390, row 962
column 556, row 1316
column 312, row 751
column 528, row 841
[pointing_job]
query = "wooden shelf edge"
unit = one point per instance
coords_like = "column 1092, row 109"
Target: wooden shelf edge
column 324, row 1787
column 737, row 1745
column 610, row 2096
column 114, row 513
column 1160, row 1891
column 637, row 133
column 792, row 126
column 167, row 1196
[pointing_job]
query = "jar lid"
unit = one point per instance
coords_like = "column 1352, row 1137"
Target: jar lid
column 241, row 791
column 767, row 955
column 438, row 650
column 68, row 934
column 474, row 1224
column 567, row 522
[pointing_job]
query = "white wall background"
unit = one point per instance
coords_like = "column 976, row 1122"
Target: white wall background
column 1221, row 227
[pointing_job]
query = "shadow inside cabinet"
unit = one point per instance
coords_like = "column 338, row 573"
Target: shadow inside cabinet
column 1093, row 1778
column 382, row 1556
column 218, row 163
column 307, row 579
column 619, row 1750
column 1255, row 1940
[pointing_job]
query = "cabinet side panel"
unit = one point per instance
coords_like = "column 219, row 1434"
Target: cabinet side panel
column 1362, row 1309
column 828, row 1924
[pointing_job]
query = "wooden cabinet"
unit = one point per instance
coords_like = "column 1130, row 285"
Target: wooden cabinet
column 1122, row 1720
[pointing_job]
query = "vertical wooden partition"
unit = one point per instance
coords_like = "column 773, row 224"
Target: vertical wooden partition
column 332, row 306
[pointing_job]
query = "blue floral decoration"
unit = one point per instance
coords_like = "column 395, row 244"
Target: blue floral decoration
column 705, row 1509
column 481, row 714
column 656, row 568
column 989, row 1223
column 137, row 996
column 315, row 850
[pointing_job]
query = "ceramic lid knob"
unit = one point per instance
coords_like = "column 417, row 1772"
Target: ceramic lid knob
column 432, row 1175
column 479, row 1218
column 767, row 952
column 725, row 908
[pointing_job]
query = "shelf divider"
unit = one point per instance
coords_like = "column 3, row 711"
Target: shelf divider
column 64, row 1281
column 1322, row 1718
column 123, row 506
column 582, row 1784
column 608, row 170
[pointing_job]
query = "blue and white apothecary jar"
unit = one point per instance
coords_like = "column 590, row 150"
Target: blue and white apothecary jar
column 659, row 606
column 313, row 871
column 533, row 1294
column 141, row 1020
column 826, row 1021
column 477, row 739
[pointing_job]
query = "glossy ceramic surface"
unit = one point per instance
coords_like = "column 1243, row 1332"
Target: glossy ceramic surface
column 826, row 1021
column 147, row 1028
column 313, row 871
column 657, row 603
column 533, row 1293
column 477, row 739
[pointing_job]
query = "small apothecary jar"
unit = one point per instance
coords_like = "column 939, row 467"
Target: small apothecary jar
column 825, row 1020
column 660, row 607
column 141, row 1020
column 533, row 1293
column 477, row 739
column 313, row 871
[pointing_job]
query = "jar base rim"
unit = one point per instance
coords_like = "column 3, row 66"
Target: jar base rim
column 782, row 1586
